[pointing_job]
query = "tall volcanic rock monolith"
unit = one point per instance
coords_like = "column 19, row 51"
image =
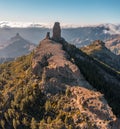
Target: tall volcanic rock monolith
column 56, row 31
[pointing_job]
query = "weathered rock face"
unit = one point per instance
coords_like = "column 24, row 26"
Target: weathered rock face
column 56, row 31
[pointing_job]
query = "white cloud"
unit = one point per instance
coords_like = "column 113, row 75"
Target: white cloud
column 22, row 24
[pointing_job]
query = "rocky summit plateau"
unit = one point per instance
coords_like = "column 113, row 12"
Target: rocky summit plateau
column 58, row 86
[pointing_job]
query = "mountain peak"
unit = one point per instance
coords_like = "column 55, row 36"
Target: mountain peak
column 16, row 46
column 99, row 43
column 16, row 37
column 96, row 46
column 99, row 51
column 17, row 34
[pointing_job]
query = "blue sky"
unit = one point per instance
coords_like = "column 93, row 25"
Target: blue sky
column 66, row 11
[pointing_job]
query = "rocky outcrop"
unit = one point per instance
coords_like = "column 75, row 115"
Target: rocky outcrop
column 93, row 105
column 56, row 31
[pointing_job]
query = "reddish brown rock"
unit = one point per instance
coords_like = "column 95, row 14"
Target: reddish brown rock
column 56, row 31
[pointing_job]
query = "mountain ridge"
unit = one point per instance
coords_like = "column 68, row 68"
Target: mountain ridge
column 51, row 84
column 53, row 87
column 98, row 50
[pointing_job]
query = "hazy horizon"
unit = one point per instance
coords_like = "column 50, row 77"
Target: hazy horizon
column 19, row 24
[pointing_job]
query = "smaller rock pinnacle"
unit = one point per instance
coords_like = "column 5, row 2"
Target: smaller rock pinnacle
column 48, row 35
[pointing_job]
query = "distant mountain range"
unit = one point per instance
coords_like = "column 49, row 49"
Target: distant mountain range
column 114, row 44
column 79, row 36
column 4, row 59
column 15, row 47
